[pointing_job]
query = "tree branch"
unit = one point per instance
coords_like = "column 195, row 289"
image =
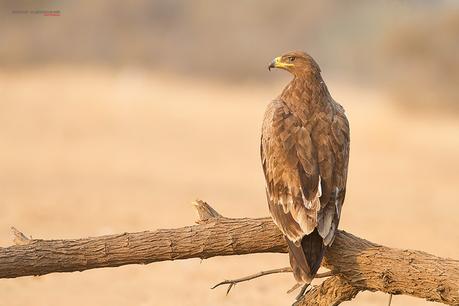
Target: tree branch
column 333, row 291
column 232, row 282
column 361, row 265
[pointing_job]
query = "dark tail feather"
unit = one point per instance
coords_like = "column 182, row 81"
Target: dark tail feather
column 305, row 259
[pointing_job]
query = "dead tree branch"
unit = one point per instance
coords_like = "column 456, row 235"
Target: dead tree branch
column 333, row 291
column 232, row 282
column 357, row 263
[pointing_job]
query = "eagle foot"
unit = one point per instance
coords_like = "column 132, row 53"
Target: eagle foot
column 302, row 292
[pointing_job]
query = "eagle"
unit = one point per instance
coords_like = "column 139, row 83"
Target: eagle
column 305, row 154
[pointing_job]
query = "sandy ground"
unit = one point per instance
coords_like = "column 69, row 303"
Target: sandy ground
column 89, row 152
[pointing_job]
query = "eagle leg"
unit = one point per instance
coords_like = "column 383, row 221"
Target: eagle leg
column 302, row 292
column 306, row 286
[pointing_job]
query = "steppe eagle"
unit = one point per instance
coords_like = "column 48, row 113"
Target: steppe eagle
column 305, row 153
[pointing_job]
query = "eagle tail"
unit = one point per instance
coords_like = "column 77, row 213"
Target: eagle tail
column 305, row 259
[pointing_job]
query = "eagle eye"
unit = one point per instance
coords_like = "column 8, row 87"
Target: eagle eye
column 291, row 58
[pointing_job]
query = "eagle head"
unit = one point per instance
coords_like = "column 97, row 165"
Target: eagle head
column 296, row 62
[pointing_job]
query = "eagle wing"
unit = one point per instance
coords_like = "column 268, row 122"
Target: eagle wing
column 305, row 168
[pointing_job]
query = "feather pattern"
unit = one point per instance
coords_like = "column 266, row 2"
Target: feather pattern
column 304, row 153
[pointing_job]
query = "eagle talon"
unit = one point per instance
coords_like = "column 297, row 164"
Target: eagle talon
column 302, row 292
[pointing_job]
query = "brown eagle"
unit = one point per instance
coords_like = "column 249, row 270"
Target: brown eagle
column 305, row 153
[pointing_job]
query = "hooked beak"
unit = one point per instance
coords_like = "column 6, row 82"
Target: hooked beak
column 278, row 63
column 273, row 63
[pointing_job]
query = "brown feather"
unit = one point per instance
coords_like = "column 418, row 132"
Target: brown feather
column 305, row 153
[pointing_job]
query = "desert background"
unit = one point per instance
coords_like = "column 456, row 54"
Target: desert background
column 114, row 117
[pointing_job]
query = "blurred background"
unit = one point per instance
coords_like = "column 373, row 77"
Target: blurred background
column 114, row 116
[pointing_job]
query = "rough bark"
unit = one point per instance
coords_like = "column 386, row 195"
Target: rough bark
column 333, row 291
column 359, row 264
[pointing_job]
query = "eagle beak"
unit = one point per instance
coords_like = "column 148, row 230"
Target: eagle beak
column 273, row 64
column 277, row 63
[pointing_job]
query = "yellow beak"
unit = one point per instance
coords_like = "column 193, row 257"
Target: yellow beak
column 277, row 63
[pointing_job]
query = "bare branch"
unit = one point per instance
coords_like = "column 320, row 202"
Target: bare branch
column 231, row 283
column 361, row 265
column 217, row 237
column 205, row 211
column 333, row 291
column 19, row 237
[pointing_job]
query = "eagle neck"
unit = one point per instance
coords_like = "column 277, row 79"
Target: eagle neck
column 306, row 93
